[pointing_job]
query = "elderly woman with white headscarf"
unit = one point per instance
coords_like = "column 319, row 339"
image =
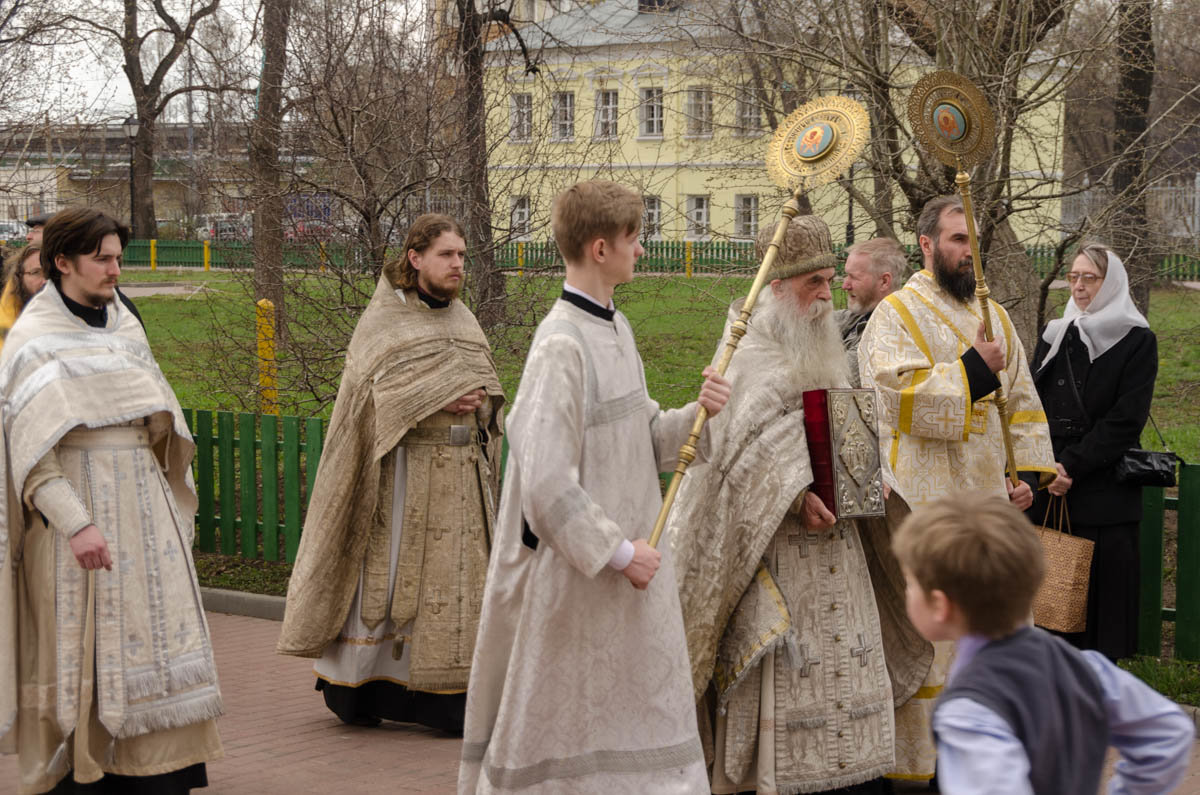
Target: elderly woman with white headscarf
column 1095, row 369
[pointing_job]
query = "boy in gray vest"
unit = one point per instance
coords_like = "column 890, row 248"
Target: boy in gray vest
column 1023, row 711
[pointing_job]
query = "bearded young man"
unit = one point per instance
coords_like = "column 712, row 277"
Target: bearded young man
column 799, row 643
column 874, row 270
column 107, row 678
column 388, row 581
column 925, row 354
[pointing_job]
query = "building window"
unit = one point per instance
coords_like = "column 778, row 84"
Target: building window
column 563, row 114
column 697, row 216
column 606, row 114
column 651, row 113
column 521, row 126
column 651, row 218
column 699, row 111
column 745, row 212
column 749, row 112
column 519, row 217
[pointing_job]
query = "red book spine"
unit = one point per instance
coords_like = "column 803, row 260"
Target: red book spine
column 820, row 446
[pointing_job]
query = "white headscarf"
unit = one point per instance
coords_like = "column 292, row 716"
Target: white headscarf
column 1105, row 322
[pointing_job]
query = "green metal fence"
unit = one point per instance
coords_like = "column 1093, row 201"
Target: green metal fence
column 690, row 257
column 254, row 474
column 1186, row 613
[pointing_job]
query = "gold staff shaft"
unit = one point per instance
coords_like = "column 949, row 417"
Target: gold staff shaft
column 687, row 453
column 963, row 180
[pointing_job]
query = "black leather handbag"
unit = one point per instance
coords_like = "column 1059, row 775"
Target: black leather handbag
column 1139, row 467
column 1136, row 467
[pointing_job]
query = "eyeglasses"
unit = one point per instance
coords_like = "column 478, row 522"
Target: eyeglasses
column 1088, row 278
column 34, row 272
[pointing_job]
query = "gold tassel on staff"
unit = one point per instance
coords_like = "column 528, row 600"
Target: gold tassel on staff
column 952, row 119
column 814, row 145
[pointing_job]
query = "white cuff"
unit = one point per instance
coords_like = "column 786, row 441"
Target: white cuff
column 623, row 556
column 61, row 506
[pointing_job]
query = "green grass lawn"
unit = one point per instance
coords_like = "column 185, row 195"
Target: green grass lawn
column 678, row 323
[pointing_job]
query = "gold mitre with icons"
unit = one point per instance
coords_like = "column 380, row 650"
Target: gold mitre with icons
column 817, row 142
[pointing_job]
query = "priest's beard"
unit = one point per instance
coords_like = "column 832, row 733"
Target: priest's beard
column 809, row 337
column 954, row 278
column 443, row 291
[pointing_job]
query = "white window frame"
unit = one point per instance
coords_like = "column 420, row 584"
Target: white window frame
column 699, row 217
column 651, row 112
column 606, row 113
column 699, row 112
column 520, row 215
column 652, row 218
column 749, row 120
column 745, row 215
column 562, row 116
column 520, row 127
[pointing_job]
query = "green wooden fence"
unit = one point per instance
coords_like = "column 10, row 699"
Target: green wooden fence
column 1186, row 613
column 254, row 474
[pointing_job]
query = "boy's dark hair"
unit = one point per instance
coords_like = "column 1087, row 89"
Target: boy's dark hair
column 593, row 209
column 76, row 231
column 981, row 552
column 426, row 229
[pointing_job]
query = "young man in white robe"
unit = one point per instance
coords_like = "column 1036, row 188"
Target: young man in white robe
column 107, row 679
column 580, row 679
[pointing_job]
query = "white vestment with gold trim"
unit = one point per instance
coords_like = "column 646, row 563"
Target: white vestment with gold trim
column 937, row 442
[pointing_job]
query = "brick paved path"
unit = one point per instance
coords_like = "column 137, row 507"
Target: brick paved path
column 280, row 740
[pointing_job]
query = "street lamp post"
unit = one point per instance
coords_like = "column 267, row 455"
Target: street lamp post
column 131, row 127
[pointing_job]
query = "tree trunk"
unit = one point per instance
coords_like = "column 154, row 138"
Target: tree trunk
column 265, row 134
column 141, row 215
column 487, row 282
column 1135, row 82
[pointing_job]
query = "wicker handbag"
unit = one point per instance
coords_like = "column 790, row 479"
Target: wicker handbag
column 1061, row 602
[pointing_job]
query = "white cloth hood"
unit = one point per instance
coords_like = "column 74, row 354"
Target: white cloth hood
column 1105, row 322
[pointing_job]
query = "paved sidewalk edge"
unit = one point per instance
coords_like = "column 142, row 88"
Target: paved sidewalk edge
column 241, row 603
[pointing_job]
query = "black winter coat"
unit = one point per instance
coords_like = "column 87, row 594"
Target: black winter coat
column 1116, row 390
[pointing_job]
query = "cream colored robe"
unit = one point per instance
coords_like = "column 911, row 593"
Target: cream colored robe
column 580, row 681
column 405, row 362
column 938, row 442
column 112, row 671
column 801, row 633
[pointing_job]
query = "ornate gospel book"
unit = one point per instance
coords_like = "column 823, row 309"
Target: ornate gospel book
column 843, row 446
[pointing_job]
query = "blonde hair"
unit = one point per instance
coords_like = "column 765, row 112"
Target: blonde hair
column 590, row 210
column 1097, row 254
column 981, row 552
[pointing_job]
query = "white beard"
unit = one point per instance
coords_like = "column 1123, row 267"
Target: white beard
column 813, row 353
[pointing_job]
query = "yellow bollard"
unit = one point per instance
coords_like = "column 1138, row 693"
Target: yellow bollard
column 207, row 255
column 520, row 259
column 687, row 258
column 324, row 256
column 267, row 369
column 153, row 255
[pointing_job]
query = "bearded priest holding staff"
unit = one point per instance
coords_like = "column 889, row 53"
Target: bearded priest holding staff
column 388, row 581
column 795, row 620
column 936, row 376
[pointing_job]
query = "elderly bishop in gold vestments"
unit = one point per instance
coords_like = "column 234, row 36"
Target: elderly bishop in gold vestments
column 923, row 351
column 388, row 581
column 795, row 623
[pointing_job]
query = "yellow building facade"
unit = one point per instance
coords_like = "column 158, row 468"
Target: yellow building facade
column 633, row 96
